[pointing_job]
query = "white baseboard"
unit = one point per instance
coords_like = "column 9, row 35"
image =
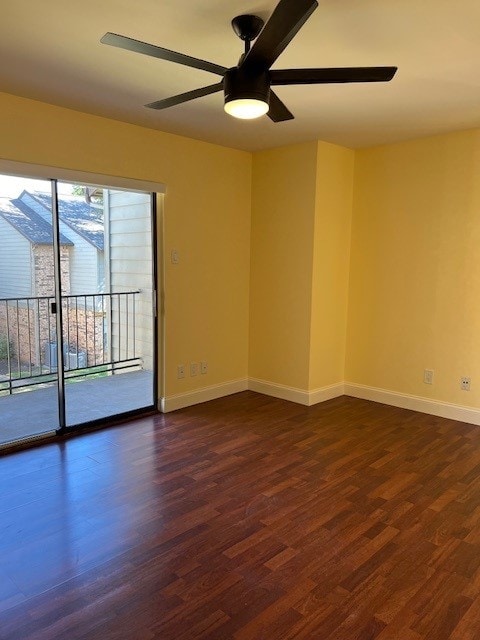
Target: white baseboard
column 326, row 393
column 416, row 403
column 309, row 398
column 182, row 400
column 300, row 396
column 293, row 394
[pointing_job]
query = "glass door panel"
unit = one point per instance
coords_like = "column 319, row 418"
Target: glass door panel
column 107, row 302
column 28, row 338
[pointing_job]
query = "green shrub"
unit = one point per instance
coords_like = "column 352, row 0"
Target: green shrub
column 4, row 348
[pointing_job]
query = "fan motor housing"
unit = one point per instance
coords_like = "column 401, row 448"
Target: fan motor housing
column 240, row 85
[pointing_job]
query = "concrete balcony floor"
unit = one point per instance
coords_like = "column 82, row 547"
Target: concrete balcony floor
column 35, row 412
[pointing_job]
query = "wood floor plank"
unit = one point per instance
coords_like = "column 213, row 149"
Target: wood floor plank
column 246, row 518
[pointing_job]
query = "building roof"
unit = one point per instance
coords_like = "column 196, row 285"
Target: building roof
column 83, row 218
column 30, row 224
column 30, row 214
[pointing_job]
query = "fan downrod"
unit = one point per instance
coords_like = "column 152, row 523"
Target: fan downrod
column 247, row 27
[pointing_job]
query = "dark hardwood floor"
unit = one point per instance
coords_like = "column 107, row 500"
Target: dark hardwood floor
column 247, row 518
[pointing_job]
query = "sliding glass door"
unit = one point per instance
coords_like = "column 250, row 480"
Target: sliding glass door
column 28, row 329
column 107, row 302
column 77, row 321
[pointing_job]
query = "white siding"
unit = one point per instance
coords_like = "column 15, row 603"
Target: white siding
column 83, row 264
column 130, row 247
column 15, row 263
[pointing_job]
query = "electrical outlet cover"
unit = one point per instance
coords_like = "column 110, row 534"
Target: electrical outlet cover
column 428, row 376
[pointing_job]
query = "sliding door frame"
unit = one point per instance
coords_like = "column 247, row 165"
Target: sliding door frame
column 63, row 428
column 58, row 309
column 155, row 190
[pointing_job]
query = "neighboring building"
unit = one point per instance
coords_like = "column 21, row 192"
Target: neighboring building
column 81, row 229
column 27, row 273
column 104, row 249
column 26, row 258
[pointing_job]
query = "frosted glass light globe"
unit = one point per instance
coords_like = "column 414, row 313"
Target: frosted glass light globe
column 246, row 108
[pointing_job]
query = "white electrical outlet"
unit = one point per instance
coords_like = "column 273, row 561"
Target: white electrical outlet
column 181, row 371
column 203, row 367
column 465, row 383
column 428, row 376
column 193, row 368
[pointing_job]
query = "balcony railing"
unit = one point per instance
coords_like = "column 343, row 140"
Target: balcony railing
column 99, row 337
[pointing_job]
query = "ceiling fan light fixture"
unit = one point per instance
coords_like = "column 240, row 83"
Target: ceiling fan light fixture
column 247, row 96
column 246, row 108
column 246, row 86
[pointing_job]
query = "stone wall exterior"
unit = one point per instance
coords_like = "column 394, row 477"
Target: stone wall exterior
column 44, row 270
column 44, row 285
column 84, row 331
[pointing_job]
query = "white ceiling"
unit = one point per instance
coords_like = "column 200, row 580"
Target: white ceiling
column 50, row 51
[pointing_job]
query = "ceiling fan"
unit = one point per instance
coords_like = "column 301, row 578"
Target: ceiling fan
column 247, row 86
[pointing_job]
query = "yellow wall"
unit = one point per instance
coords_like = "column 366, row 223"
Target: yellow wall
column 283, row 215
column 414, row 279
column 414, row 298
column 301, row 217
column 331, row 263
column 207, row 219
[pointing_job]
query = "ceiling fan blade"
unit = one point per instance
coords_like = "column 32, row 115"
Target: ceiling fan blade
column 185, row 97
column 278, row 112
column 286, row 20
column 122, row 42
column 327, row 76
